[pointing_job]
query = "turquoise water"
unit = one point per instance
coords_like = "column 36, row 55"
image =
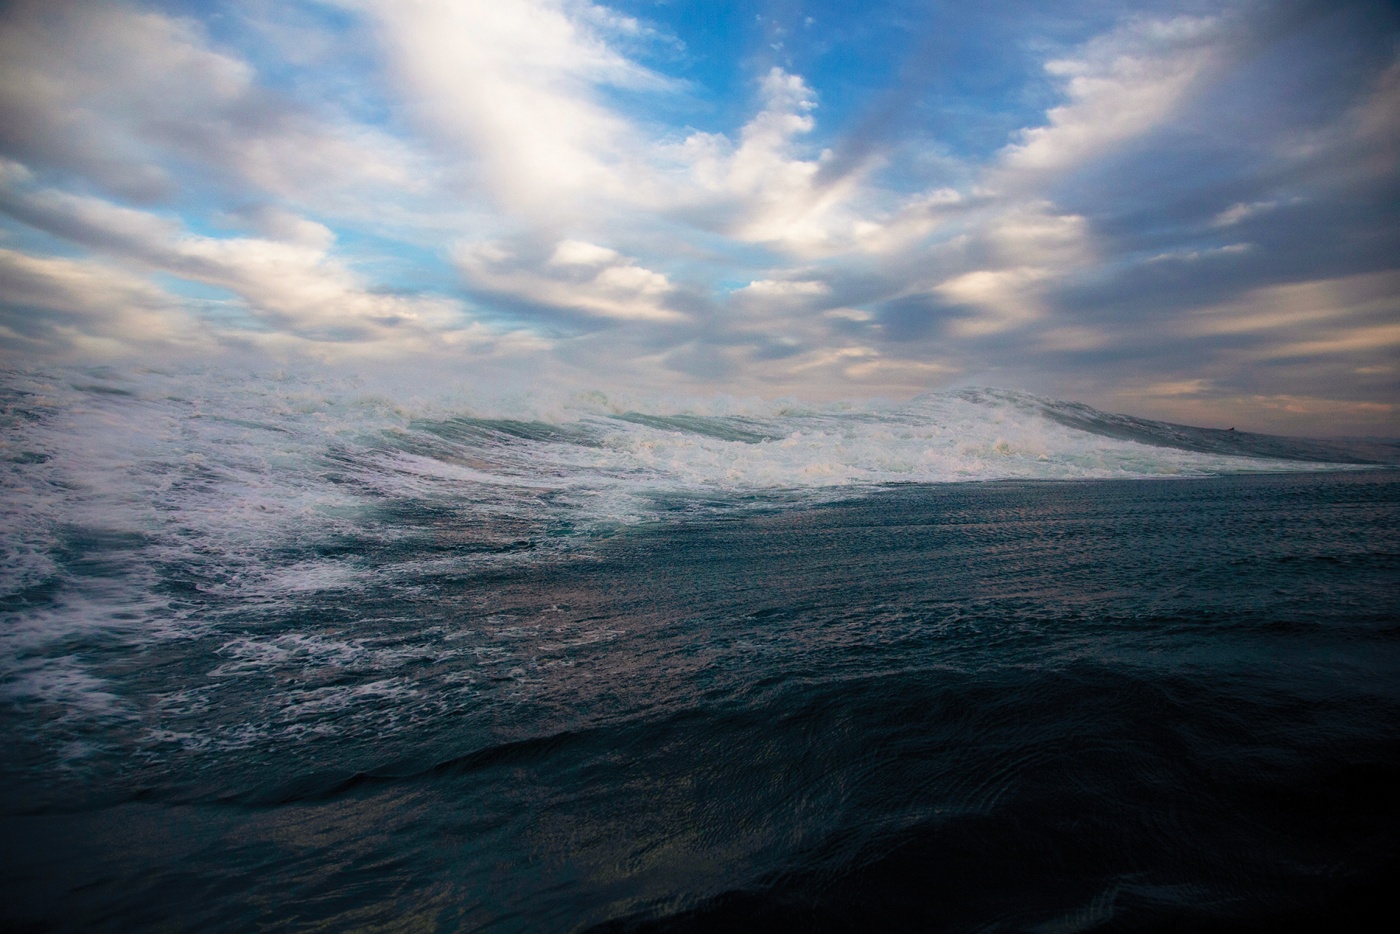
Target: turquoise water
column 283, row 654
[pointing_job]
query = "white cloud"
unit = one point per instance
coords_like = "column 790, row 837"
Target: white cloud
column 1029, row 246
column 1007, row 298
column 1192, row 256
column 297, row 287
column 848, row 314
column 280, row 224
column 784, row 288
column 514, row 89
column 1035, row 233
column 577, row 276
column 837, row 356
column 1343, row 311
column 789, row 306
column 58, row 305
column 914, row 220
column 581, row 253
column 580, row 208
column 125, row 96
column 856, row 364
column 1239, row 211
column 515, row 93
column 1119, row 86
column 773, row 192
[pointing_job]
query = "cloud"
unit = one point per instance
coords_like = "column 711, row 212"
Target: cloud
column 576, row 277
column 1359, row 147
column 1191, row 256
column 1118, row 87
column 515, row 89
column 1204, row 402
column 783, row 289
column 910, row 223
column 1377, row 118
column 278, row 223
column 58, row 307
column 294, row 286
column 1239, row 211
column 517, row 95
column 126, row 98
column 1198, row 201
column 1026, row 247
column 1352, row 315
column 1006, row 297
column 768, row 193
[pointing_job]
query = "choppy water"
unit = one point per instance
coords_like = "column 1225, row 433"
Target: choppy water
column 277, row 653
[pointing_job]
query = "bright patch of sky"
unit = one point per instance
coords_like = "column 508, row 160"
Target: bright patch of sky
column 1179, row 209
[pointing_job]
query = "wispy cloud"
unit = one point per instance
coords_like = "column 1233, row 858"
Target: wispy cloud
column 1118, row 87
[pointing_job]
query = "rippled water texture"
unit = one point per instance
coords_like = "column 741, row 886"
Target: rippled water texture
column 282, row 656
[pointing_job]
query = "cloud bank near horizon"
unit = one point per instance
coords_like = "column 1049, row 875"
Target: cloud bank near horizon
column 1184, row 210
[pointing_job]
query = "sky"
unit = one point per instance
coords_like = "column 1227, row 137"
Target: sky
column 1177, row 209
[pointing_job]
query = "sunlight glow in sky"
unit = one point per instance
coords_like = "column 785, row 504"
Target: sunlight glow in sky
column 1177, row 209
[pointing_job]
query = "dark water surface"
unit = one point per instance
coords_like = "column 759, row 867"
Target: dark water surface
column 1049, row 706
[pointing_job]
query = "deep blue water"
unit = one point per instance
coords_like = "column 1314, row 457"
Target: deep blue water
column 439, row 671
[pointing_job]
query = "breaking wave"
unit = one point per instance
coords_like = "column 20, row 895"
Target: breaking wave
column 219, row 465
column 283, row 485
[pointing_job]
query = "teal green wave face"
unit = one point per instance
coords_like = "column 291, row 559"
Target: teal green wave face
column 1179, row 209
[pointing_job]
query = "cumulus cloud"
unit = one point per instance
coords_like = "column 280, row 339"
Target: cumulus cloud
column 770, row 186
column 1006, row 297
column 766, row 189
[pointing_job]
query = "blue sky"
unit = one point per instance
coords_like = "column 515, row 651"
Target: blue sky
column 1181, row 210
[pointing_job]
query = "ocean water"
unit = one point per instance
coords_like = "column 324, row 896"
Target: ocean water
column 279, row 653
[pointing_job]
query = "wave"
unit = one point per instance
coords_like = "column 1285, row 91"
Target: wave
column 143, row 508
column 278, row 482
column 151, row 446
column 1360, row 451
column 753, row 447
column 230, row 472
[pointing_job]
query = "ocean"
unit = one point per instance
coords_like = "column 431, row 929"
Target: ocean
column 280, row 653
